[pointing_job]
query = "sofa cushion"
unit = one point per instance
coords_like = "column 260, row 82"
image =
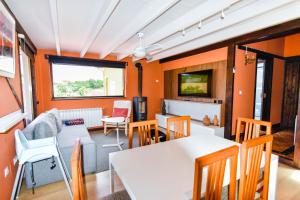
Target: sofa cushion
column 69, row 134
column 58, row 119
column 45, row 127
column 29, row 130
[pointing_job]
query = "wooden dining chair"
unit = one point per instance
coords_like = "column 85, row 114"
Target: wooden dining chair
column 180, row 126
column 216, row 164
column 251, row 157
column 251, row 128
column 77, row 177
column 78, row 186
column 144, row 132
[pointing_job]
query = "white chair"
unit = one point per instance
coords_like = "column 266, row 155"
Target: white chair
column 122, row 125
column 30, row 151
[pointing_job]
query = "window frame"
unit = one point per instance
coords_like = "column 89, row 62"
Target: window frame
column 52, row 59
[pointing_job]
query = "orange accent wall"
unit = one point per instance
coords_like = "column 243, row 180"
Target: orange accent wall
column 151, row 88
column 277, row 91
column 292, row 45
column 8, row 105
column 202, row 58
column 244, row 81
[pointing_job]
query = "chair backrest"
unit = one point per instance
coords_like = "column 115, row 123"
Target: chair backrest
column 77, row 177
column 123, row 104
column 21, row 142
column 216, row 164
column 252, row 154
column 252, row 128
column 144, row 132
column 180, row 126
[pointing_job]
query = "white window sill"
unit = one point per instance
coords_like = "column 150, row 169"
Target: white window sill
column 10, row 120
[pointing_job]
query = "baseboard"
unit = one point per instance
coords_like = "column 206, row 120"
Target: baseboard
column 96, row 128
column 276, row 128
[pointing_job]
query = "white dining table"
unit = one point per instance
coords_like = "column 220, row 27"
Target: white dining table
column 165, row 170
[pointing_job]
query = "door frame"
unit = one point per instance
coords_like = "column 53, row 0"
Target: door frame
column 31, row 55
column 297, row 136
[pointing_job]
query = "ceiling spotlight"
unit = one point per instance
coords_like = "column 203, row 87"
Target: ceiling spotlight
column 21, row 36
column 200, row 25
column 183, row 32
column 222, row 14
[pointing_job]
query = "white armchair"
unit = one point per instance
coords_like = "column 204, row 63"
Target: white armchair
column 124, row 125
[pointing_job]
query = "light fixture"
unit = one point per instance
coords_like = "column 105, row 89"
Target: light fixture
column 249, row 59
column 222, row 14
column 21, row 36
column 183, row 32
column 200, row 24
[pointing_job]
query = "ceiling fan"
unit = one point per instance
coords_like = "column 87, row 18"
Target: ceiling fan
column 142, row 51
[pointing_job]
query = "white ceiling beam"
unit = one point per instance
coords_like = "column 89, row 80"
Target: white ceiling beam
column 102, row 17
column 276, row 16
column 55, row 25
column 142, row 19
column 235, row 17
column 202, row 11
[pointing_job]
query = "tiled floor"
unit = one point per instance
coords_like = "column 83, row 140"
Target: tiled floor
column 288, row 187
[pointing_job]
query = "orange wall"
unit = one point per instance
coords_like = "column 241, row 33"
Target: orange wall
column 8, row 104
column 292, row 45
column 202, row 58
column 277, row 91
column 244, row 81
column 151, row 88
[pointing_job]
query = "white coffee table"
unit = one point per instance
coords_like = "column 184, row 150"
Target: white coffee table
column 117, row 121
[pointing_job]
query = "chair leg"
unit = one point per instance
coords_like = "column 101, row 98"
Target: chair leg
column 65, row 177
column 21, row 178
column 32, row 177
column 16, row 183
column 63, row 163
column 126, row 129
column 105, row 128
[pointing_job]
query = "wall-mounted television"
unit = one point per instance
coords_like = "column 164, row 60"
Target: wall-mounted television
column 196, row 83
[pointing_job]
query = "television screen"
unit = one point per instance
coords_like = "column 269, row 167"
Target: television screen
column 195, row 83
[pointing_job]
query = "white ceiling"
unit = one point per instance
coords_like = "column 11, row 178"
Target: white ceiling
column 110, row 26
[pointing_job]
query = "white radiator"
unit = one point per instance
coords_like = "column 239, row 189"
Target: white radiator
column 91, row 116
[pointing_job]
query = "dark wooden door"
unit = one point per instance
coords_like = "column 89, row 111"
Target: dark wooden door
column 291, row 92
column 296, row 66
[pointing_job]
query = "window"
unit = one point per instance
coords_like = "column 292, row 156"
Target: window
column 86, row 78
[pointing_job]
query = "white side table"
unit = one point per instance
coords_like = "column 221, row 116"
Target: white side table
column 117, row 121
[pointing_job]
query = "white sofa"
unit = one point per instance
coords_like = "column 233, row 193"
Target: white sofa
column 49, row 124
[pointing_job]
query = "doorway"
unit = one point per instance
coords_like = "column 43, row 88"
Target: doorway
column 290, row 102
column 263, row 87
column 26, row 86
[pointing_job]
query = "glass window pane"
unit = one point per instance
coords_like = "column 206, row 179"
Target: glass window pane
column 87, row 81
